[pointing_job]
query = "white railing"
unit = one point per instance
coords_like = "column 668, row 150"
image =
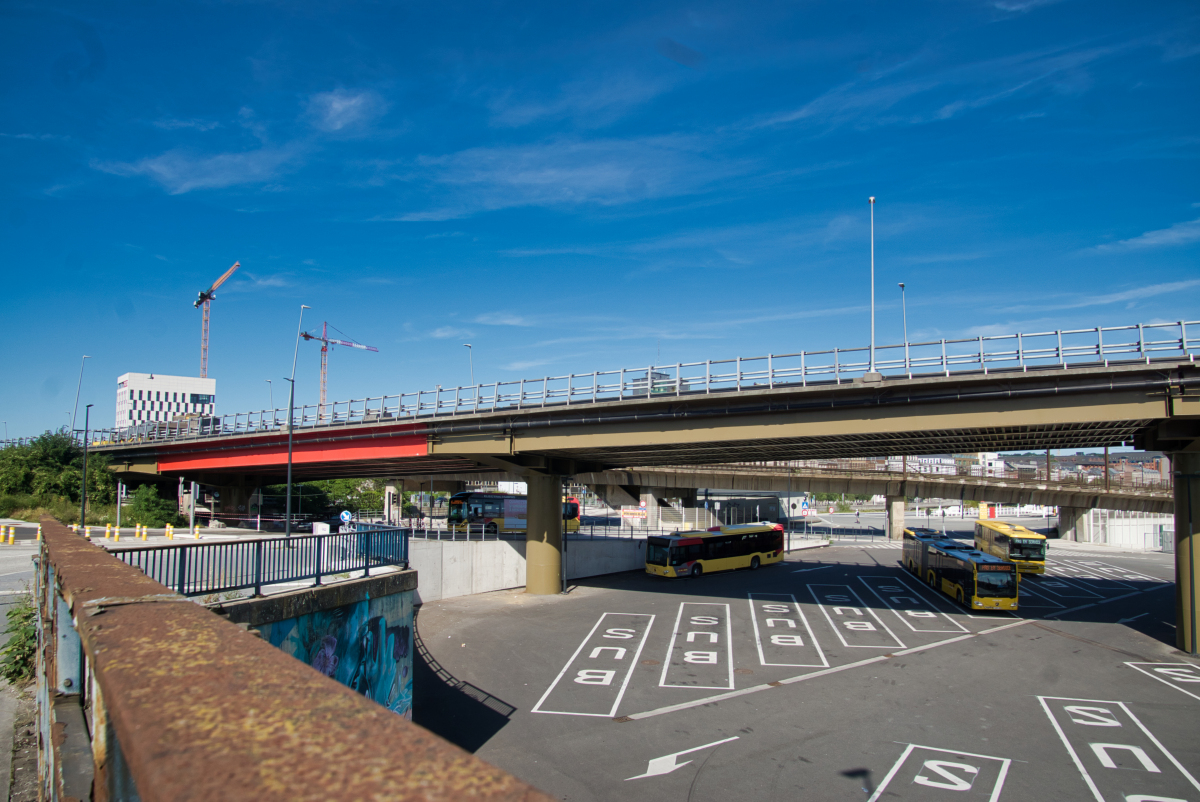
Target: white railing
column 975, row 355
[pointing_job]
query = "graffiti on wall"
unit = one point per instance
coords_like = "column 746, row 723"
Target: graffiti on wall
column 366, row 646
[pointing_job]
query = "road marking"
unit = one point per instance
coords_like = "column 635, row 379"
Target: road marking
column 720, row 697
column 966, row 772
column 847, row 607
column 1063, row 588
column 694, row 657
column 667, row 764
column 594, row 691
column 1175, row 675
column 897, row 597
column 1106, row 601
column 1098, row 737
column 1024, row 590
column 806, row 570
column 786, row 641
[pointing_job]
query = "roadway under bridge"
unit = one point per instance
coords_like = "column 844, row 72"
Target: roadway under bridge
column 1149, row 404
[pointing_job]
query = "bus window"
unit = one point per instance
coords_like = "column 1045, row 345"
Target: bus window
column 656, row 551
column 1002, row 584
column 1027, row 549
column 493, row 508
column 570, row 511
column 685, row 554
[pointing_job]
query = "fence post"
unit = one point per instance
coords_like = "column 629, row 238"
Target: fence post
column 258, row 561
column 320, row 541
column 181, row 579
column 367, row 555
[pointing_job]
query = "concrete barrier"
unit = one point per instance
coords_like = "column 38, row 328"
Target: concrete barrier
column 449, row 568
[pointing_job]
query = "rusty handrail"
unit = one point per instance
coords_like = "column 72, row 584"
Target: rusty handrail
column 185, row 705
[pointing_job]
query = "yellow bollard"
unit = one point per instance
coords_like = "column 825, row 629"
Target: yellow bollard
column 197, row 531
column 117, row 537
column 39, row 534
column 87, row 532
column 12, row 535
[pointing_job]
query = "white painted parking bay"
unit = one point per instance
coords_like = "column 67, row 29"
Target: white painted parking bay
column 856, row 625
column 700, row 654
column 909, row 605
column 782, row 633
column 595, row 678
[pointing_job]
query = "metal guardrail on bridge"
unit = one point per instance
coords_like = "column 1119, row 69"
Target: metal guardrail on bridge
column 1141, row 343
column 197, row 569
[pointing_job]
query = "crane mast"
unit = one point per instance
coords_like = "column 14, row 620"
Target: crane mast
column 326, row 341
column 204, row 302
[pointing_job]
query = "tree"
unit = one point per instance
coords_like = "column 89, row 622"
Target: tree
column 149, row 509
column 51, row 466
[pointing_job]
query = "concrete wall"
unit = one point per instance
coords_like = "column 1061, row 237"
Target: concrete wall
column 450, row 568
column 358, row 632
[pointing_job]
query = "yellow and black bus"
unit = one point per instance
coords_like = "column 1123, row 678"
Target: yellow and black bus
column 492, row 513
column 1020, row 546
column 974, row 579
column 721, row 548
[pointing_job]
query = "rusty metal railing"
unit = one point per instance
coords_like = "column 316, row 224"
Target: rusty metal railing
column 143, row 694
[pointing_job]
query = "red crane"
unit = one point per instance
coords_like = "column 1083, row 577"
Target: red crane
column 205, row 299
column 326, row 341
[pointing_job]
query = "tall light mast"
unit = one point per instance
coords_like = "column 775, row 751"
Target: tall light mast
column 204, row 299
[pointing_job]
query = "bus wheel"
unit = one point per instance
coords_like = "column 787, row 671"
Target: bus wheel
column 491, row 529
column 697, row 570
column 961, row 598
column 932, row 580
column 754, row 563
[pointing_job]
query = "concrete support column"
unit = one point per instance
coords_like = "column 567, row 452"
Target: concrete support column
column 543, row 535
column 1074, row 523
column 1187, row 565
column 652, row 515
column 894, row 505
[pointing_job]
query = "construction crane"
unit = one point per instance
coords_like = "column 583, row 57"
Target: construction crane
column 204, row 299
column 326, row 341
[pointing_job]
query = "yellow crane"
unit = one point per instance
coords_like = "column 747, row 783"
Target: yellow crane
column 204, row 299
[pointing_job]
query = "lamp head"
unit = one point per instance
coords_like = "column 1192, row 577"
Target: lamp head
column 901, row 285
column 871, row 199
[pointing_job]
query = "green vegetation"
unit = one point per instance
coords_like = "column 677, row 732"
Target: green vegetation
column 328, row 496
column 842, row 506
column 43, row 477
column 148, row 509
column 840, row 497
column 17, row 658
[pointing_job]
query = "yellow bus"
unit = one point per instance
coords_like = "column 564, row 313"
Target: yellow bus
column 493, row 513
column 721, row 548
column 972, row 578
column 1020, row 546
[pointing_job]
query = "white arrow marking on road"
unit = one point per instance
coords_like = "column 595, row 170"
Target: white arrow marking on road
column 667, row 764
column 802, row 570
column 1135, row 618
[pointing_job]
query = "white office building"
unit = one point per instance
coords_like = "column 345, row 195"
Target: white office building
column 143, row 397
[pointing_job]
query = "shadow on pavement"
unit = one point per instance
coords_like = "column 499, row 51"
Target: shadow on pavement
column 463, row 714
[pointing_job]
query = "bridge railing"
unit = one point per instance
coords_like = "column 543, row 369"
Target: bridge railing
column 982, row 354
column 200, row 569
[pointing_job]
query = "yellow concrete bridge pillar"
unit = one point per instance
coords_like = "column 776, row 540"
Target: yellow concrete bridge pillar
column 543, row 534
column 1186, row 465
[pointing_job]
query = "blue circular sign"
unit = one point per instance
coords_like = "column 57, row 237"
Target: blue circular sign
column 346, row 516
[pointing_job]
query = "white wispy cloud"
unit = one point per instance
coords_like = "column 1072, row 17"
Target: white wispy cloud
column 180, row 171
column 879, row 99
column 502, row 319
column 449, row 332
column 172, row 124
column 1132, row 294
column 589, row 102
column 342, row 110
column 566, row 172
column 1178, row 234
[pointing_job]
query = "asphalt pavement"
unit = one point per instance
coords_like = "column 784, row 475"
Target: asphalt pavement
column 834, row 675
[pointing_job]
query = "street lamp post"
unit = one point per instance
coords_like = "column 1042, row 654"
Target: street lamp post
column 271, row 390
column 471, row 359
column 904, row 312
column 83, row 489
column 872, row 202
column 79, row 384
column 287, row 523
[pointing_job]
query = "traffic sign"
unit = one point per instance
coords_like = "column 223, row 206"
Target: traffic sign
column 346, row 516
column 642, row 503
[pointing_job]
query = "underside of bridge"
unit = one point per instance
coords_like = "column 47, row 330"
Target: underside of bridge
column 1150, row 406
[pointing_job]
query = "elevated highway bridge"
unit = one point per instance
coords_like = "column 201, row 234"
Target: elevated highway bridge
column 1134, row 386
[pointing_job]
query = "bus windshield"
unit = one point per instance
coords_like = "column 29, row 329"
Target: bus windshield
column 1001, row 584
column 656, row 551
column 457, row 508
column 1027, row 549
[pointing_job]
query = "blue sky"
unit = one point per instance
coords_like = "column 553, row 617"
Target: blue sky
column 573, row 187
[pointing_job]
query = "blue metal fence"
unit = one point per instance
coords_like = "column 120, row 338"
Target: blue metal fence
column 197, row 569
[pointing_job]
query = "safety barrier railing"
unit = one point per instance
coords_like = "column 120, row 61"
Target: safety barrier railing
column 198, row 569
column 1144, row 342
